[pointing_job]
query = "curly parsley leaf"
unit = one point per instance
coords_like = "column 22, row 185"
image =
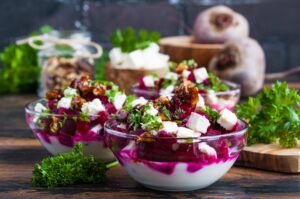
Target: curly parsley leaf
column 212, row 114
column 69, row 168
column 216, row 83
column 130, row 40
column 273, row 115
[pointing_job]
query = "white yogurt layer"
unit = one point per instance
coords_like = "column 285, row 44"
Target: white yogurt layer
column 95, row 148
column 180, row 179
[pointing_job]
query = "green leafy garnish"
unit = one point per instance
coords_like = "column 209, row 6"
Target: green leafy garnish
column 128, row 102
column 111, row 93
column 273, row 115
column 69, row 168
column 216, row 83
column 129, row 40
column 166, row 112
column 135, row 118
column 212, row 114
column 150, row 122
column 100, row 66
column 84, row 117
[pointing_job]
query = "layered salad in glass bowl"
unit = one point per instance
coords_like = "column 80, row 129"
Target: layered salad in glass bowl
column 216, row 93
column 76, row 114
column 175, row 143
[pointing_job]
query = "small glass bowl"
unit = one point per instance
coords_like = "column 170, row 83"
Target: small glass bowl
column 72, row 131
column 218, row 100
column 175, row 164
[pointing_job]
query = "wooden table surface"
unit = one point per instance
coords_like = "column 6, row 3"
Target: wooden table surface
column 19, row 151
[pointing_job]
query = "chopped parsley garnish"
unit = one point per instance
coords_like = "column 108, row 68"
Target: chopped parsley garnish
column 216, row 83
column 128, row 102
column 166, row 112
column 84, row 117
column 190, row 63
column 129, row 40
column 212, row 114
column 273, row 115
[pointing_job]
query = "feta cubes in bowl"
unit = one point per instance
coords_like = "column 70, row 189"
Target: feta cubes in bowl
column 170, row 144
column 76, row 114
column 216, row 93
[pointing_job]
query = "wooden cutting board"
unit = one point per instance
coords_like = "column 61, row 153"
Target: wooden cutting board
column 271, row 157
column 183, row 47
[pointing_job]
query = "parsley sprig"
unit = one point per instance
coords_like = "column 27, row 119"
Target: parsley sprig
column 129, row 40
column 273, row 115
column 69, row 168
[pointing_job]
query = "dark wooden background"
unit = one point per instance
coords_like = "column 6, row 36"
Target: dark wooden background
column 275, row 23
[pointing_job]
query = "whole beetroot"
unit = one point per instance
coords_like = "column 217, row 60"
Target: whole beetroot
column 220, row 24
column 243, row 62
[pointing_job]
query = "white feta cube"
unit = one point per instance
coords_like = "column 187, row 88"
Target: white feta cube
column 171, row 75
column 200, row 74
column 93, row 107
column 96, row 128
column 64, row 102
column 119, row 100
column 70, row 92
column 186, row 73
column 200, row 104
column 170, row 127
column 183, row 132
column 136, row 59
column 211, row 99
column 39, row 107
column 198, row 123
column 167, row 91
column 116, row 56
column 139, row 101
column 205, row 148
column 152, row 48
column 227, row 119
column 149, row 80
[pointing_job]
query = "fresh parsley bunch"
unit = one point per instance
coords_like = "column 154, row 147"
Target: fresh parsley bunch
column 69, row 168
column 273, row 115
column 129, row 40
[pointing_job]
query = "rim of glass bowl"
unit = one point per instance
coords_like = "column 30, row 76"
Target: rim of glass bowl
column 29, row 108
column 234, row 89
column 201, row 138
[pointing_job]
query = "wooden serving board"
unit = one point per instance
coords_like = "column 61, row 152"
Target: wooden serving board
column 271, row 157
column 183, row 47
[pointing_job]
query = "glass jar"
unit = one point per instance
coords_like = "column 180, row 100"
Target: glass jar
column 61, row 63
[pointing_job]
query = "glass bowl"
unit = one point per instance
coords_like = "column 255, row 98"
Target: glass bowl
column 71, row 131
column 175, row 164
column 218, row 100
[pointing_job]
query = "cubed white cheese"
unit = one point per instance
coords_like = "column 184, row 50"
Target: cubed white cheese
column 227, row 119
column 139, row 101
column 171, row 75
column 211, row 99
column 200, row 74
column 136, row 59
column 119, row 100
column 149, row 81
column 198, row 123
column 116, row 56
column 167, row 91
column 170, row 127
column 186, row 73
column 93, row 107
column 39, row 107
column 96, row 128
column 152, row 48
column 183, row 132
column 70, row 92
column 64, row 102
column 200, row 104
column 205, row 148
